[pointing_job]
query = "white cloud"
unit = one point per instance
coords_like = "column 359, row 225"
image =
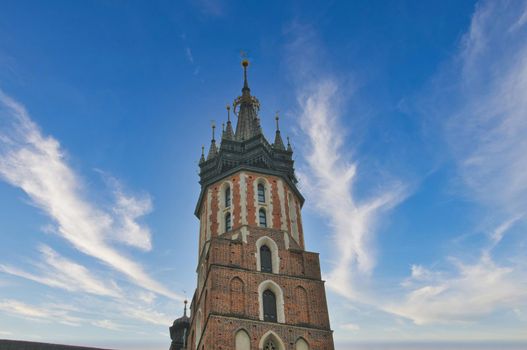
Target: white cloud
column 466, row 294
column 50, row 313
column 36, row 164
column 486, row 128
column 487, row 124
column 107, row 324
column 59, row 272
column 330, row 183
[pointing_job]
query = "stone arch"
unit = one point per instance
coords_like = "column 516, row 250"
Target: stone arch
column 302, row 305
column 265, row 240
column 301, row 344
column 271, row 336
column 237, row 295
column 279, row 295
column 242, row 341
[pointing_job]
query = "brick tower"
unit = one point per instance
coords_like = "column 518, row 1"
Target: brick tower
column 258, row 288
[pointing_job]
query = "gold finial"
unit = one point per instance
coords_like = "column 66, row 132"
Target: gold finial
column 245, row 61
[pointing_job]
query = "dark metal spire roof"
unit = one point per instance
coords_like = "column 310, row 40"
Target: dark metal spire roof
column 278, row 143
column 213, row 150
column 247, row 149
column 229, row 133
column 248, row 124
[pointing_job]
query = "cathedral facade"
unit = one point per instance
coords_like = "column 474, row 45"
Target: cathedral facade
column 258, row 287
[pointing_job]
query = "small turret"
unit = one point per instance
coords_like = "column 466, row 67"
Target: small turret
column 289, row 148
column 278, row 143
column 179, row 331
column 202, row 159
column 229, row 133
column 213, row 150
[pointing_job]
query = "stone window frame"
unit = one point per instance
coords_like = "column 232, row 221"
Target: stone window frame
column 267, row 205
column 274, row 336
column 275, row 258
column 298, row 341
column 279, row 294
column 238, row 331
column 223, row 209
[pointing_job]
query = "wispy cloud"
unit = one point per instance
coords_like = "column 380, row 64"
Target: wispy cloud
column 36, row 164
column 332, row 175
column 331, row 172
column 464, row 293
column 53, row 313
column 486, row 128
column 59, row 272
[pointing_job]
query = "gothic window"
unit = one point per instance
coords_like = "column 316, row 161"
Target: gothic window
column 242, row 340
column 266, row 260
column 261, row 193
column 263, row 218
column 301, row 344
column 227, row 197
column 269, row 306
column 228, row 225
column 270, row 345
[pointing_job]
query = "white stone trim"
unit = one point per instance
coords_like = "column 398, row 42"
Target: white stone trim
column 279, row 294
column 222, row 209
column 281, row 198
column 243, row 197
column 301, row 344
column 274, row 253
column 271, row 334
column 242, row 340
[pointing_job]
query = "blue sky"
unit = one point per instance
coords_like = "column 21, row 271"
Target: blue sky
column 408, row 121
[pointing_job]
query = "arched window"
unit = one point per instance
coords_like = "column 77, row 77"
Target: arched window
column 261, row 193
column 228, row 225
column 263, row 218
column 271, row 341
column 242, row 340
column 269, row 306
column 301, row 344
column 227, row 197
column 266, row 259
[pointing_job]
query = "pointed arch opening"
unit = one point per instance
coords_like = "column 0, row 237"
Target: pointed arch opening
column 271, row 300
column 273, row 247
column 262, row 216
column 301, row 344
column 242, row 340
column 271, row 341
column 266, row 259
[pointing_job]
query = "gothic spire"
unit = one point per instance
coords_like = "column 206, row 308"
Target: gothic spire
column 202, row 159
column 213, row 149
column 248, row 123
column 278, row 143
column 229, row 134
column 289, row 148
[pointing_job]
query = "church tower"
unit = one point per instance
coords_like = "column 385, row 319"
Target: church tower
column 258, row 288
